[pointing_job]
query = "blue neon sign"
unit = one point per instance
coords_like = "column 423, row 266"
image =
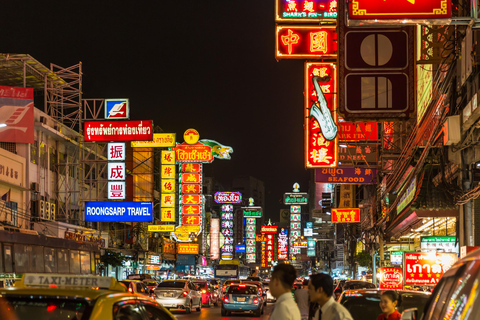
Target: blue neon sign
column 240, row 248
column 113, row 211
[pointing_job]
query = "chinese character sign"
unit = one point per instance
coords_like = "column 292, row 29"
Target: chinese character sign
column 116, row 190
column 168, row 214
column 305, row 10
column 116, row 151
column 381, row 9
column 168, row 157
column 345, row 215
column 269, row 250
column 347, row 196
column 168, row 186
column 227, row 230
column 304, row 42
column 116, row 170
column 320, row 115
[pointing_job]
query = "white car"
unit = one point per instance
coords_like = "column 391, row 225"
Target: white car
column 178, row 294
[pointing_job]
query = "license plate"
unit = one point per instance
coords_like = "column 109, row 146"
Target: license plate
column 241, row 299
column 168, row 294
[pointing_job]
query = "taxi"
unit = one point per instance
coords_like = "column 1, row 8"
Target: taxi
column 62, row 296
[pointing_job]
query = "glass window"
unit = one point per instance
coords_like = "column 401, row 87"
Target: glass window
column 127, row 310
column 140, row 288
column 154, row 312
column 22, row 257
column 85, row 262
column 172, row 284
column 38, row 264
column 13, row 213
column 7, row 254
column 34, row 152
column 242, row 290
column 74, row 262
column 62, row 261
column 50, row 265
column 441, row 298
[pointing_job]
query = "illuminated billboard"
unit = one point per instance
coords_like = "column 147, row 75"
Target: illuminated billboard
column 119, row 130
column 305, row 10
column 305, row 42
column 159, row 140
column 345, row 215
column 214, row 239
column 320, row 115
column 394, row 9
column 118, row 211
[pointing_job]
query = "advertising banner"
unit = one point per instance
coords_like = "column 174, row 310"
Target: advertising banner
column 346, row 175
column 190, row 188
column 345, row 215
column 116, row 151
column 305, row 11
column 125, row 211
column 305, row 42
column 295, row 198
column 116, row 190
column 117, row 109
column 227, row 197
column 191, row 199
column 16, row 115
column 447, row 244
column 352, row 154
column 253, row 212
column 191, row 178
column 187, row 248
column 168, row 157
column 193, row 153
column 391, row 278
column 191, row 167
column 161, row 227
column 120, row 130
column 426, row 268
column 160, row 140
column 168, row 214
column 268, row 229
column 409, row 9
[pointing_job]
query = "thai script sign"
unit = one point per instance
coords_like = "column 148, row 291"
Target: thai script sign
column 159, row 140
column 227, row 197
column 304, row 42
column 268, row 229
column 295, row 198
column 408, row 196
column 305, row 10
column 391, row 278
column 161, row 227
column 254, row 212
column 124, row 211
column 394, row 9
column 447, row 244
column 84, row 238
column 128, row 130
column 346, row 175
column 345, row 215
column 187, row 248
column 422, row 268
column 193, row 153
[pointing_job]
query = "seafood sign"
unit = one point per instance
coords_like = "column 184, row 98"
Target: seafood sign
column 128, row 130
column 426, row 268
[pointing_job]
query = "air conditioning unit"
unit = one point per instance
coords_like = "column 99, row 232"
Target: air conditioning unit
column 41, row 209
column 43, row 120
column 35, row 187
column 47, row 210
column 52, row 211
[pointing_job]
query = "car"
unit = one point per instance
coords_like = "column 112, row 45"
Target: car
column 136, row 286
column 364, row 304
column 178, row 294
column 358, row 284
column 270, row 297
column 242, row 298
column 261, row 290
column 254, row 278
column 456, row 296
column 63, row 296
column 226, row 284
column 208, row 291
column 151, row 284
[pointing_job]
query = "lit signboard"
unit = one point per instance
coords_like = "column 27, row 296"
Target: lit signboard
column 345, row 215
column 117, row 109
column 295, row 198
column 346, row 175
column 422, row 268
column 269, row 251
column 125, row 211
column 116, row 170
column 159, row 140
column 119, row 130
column 395, row 9
column 254, row 212
column 187, row 248
column 358, row 131
column 320, row 115
column 268, row 229
column 310, row 248
column 214, row 239
column 391, row 278
column 447, row 244
column 305, row 11
column 190, row 188
column 193, row 153
column 161, row 227
column 116, row 151
column 227, row 197
column 168, row 214
column 306, row 42
column 283, row 244
column 116, row 190
column 168, row 157
column 240, row 248
column 191, row 167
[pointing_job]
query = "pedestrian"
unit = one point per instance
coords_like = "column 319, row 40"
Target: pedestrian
column 302, row 298
column 388, row 303
column 283, row 277
column 321, row 291
column 338, row 293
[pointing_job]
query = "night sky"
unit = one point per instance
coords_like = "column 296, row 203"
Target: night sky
column 208, row 65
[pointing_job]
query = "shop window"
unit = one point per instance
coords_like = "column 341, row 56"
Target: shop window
column 22, row 257
column 74, row 262
column 50, row 265
column 34, row 152
column 37, row 262
column 8, row 259
column 62, row 261
column 13, row 208
column 85, row 262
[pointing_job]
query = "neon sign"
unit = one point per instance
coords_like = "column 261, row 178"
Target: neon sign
column 305, row 10
column 303, row 42
column 320, row 115
column 395, row 9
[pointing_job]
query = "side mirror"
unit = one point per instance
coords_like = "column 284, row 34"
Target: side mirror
column 410, row 314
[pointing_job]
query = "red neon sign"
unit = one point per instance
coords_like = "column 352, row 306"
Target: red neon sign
column 346, row 215
column 191, row 220
column 191, row 209
column 190, row 188
column 399, row 9
column 426, row 268
column 306, row 10
column 191, row 178
column 191, row 199
column 302, row 42
column 192, row 167
column 268, row 229
column 391, row 278
column 358, row 131
column 320, row 152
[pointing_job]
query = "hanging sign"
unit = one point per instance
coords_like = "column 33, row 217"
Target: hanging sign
column 167, row 214
column 160, row 140
column 227, row 197
column 117, row 109
column 305, row 11
column 190, row 188
column 116, row 151
column 358, row 131
column 161, row 227
column 113, row 211
column 346, row 175
column 120, row 130
column 396, row 9
column 187, row 248
column 351, row 154
column 193, row 153
column 345, row 215
column 306, row 42
column 191, row 167
column 297, row 198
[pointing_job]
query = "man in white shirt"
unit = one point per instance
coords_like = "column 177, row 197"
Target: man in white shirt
column 321, row 291
column 283, row 277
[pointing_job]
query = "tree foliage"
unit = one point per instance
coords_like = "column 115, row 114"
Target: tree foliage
column 113, row 258
column 364, row 259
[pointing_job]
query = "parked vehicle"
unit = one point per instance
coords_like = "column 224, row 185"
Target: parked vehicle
column 208, row 292
column 136, row 286
column 178, row 294
column 358, row 284
column 242, row 298
column 364, row 304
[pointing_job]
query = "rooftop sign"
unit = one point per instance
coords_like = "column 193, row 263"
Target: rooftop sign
column 119, row 130
column 295, row 198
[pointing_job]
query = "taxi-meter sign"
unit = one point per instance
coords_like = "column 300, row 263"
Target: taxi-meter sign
column 64, row 280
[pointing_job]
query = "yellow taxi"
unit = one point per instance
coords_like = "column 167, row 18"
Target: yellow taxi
column 56, row 296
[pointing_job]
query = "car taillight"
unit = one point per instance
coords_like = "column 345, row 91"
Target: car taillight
column 185, row 293
column 225, row 300
column 130, row 290
column 255, row 300
column 51, row 308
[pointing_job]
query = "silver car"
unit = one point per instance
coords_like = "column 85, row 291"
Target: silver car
column 178, row 294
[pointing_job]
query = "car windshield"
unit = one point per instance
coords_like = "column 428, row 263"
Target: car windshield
column 242, row 290
column 199, row 285
column 367, row 306
column 44, row 308
column 171, row 284
column 358, row 285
